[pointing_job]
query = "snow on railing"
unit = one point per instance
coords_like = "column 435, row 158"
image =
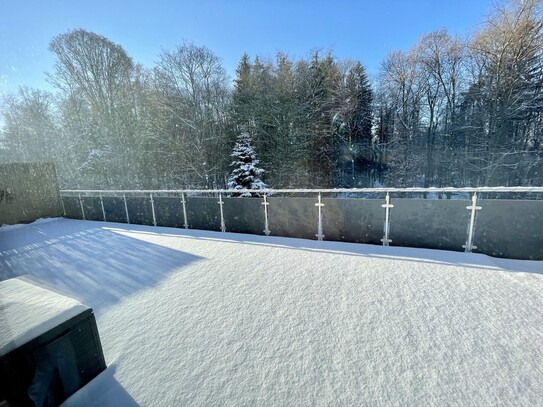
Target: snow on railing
column 265, row 193
column 310, row 190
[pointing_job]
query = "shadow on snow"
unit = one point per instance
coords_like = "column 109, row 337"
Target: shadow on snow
column 86, row 261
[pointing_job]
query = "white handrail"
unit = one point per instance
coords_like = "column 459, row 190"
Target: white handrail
column 324, row 190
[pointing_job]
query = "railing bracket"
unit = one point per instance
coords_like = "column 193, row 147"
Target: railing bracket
column 319, row 205
column 221, row 203
column 469, row 246
column 386, row 228
column 266, row 222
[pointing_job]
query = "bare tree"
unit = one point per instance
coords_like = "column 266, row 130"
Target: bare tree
column 440, row 59
column 30, row 132
column 401, row 95
column 507, row 70
column 94, row 74
column 195, row 96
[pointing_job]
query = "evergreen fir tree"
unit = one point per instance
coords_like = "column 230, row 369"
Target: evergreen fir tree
column 245, row 173
column 243, row 94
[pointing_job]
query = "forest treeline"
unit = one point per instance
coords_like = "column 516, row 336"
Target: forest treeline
column 448, row 112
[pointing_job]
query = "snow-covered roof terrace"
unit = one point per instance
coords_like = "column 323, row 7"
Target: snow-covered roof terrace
column 192, row 317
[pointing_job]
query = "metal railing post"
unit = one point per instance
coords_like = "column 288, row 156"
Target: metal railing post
column 266, row 225
column 126, row 209
column 386, row 227
column 319, row 205
column 153, row 209
column 63, row 207
column 185, row 224
column 81, row 206
column 223, row 227
column 103, row 210
column 469, row 246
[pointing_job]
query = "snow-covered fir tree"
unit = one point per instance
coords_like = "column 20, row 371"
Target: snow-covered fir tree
column 245, row 173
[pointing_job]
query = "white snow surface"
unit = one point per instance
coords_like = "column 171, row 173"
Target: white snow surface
column 5, row 227
column 204, row 318
column 27, row 311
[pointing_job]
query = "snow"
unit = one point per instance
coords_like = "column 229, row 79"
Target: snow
column 245, row 174
column 29, row 311
column 5, row 227
column 206, row 318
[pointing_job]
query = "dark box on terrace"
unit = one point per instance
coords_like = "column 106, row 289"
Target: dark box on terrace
column 49, row 346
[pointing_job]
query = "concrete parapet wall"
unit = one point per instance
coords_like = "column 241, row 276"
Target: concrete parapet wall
column 27, row 192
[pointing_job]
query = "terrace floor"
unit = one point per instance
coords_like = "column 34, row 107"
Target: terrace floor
column 203, row 318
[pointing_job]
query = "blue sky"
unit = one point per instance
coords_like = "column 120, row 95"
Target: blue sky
column 364, row 30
